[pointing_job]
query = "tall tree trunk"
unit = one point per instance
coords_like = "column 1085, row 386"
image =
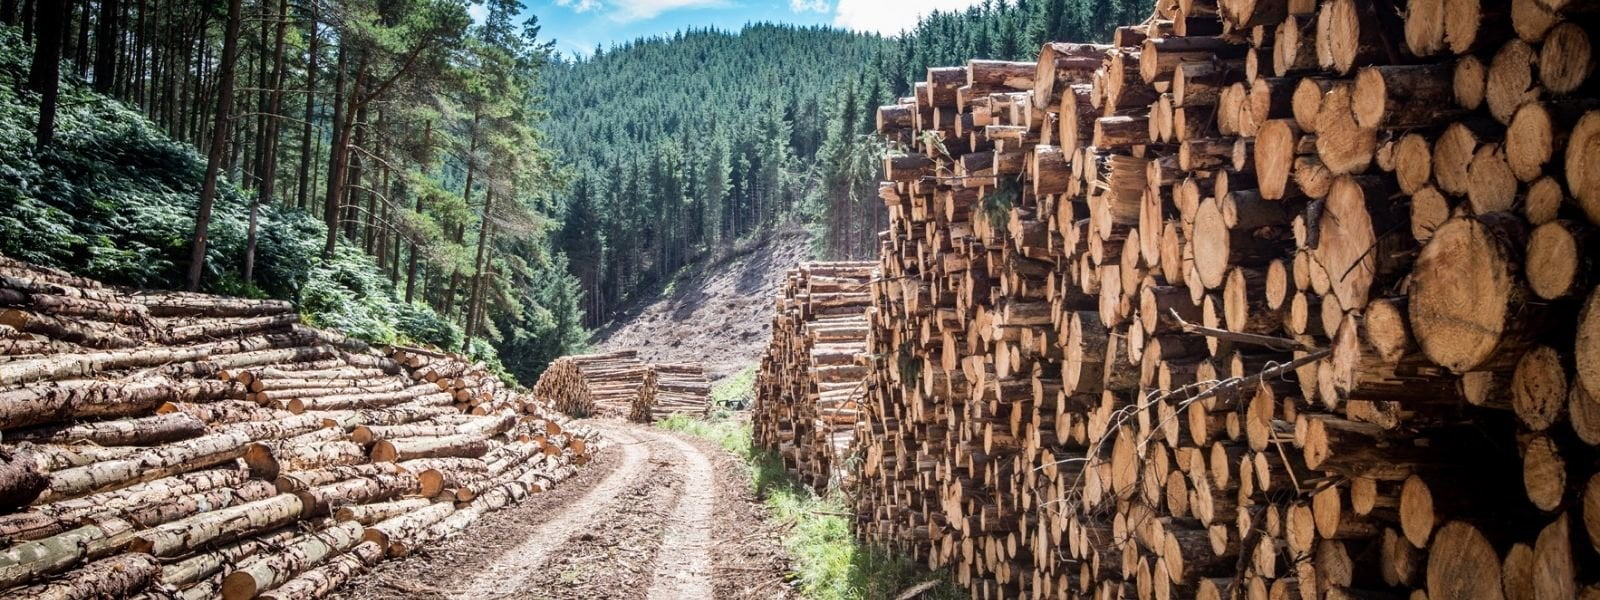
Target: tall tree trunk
column 369, row 241
column 411, row 273
column 250, row 240
column 75, row 42
column 394, row 238
column 447, row 306
column 411, row 261
column 301, row 199
column 219, row 139
column 192, row 109
column 269, row 164
column 476, row 322
column 258, row 134
column 44, row 76
column 28, row 23
column 269, row 139
column 105, row 49
column 466, row 198
column 143, row 54
column 330, row 203
column 124, row 56
column 355, row 167
column 485, row 224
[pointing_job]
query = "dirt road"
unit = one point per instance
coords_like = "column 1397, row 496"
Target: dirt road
column 656, row 516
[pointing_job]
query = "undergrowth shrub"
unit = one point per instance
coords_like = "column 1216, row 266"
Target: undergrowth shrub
column 114, row 198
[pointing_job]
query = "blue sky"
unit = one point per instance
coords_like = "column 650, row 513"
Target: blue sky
column 579, row 25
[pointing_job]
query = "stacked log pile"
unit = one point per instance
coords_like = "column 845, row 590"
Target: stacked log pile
column 471, row 384
column 594, row 385
column 179, row 445
column 1273, row 299
column 809, row 387
column 672, row 389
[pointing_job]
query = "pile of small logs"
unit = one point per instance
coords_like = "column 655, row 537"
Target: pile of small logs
column 172, row 445
column 476, row 389
column 594, row 385
column 672, row 389
column 809, row 387
column 1265, row 299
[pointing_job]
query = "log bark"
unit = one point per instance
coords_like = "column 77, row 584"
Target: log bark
column 325, row 499
column 323, row 580
column 39, row 403
column 268, row 459
column 368, row 514
column 160, row 462
column 116, row 577
column 402, row 530
column 184, row 535
column 470, row 446
column 147, row 431
column 21, row 478
column 268, row 570
column 302, row 480
column 28, row 561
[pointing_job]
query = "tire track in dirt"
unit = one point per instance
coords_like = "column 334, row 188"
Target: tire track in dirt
column 513, row 568
column 683, row 564
column 661, row 516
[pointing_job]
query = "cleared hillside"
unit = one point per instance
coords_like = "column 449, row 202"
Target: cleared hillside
column 718, row 314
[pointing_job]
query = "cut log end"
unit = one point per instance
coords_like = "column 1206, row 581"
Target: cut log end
column 1464, row 294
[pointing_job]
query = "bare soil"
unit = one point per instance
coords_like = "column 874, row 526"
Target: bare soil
column 656, row 515
column 719, row 314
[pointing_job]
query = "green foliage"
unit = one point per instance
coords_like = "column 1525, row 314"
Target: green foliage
column 114, row 198
column 547, row 322
column 423, row 326
column 998, row 202
column 829, row 562
column 730, row 434
column 348, row 294
column 734, row 392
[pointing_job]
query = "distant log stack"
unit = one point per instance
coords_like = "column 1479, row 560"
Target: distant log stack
column 594, row 385
column 1261, row 300
column 812, row 378
column 672, row 389
column 193, row 446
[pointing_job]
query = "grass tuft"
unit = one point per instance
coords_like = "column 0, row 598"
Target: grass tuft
column 829, row 562
column 734, row 392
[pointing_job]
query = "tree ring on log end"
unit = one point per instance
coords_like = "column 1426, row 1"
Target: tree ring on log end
column 1583, row 153
column 1462, row 565
column 1462, row 285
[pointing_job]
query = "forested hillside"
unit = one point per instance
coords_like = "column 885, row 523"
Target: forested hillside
column 379, row 162
column 684, row 144
column 390, row 164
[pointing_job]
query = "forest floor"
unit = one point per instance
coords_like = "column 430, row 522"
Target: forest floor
column 656, row 515
column 718, row 313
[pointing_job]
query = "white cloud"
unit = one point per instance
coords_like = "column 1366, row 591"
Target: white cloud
column 581, row 6
column 639, row 10
column 478, row 12
column 805, row 6
column 890, row 17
